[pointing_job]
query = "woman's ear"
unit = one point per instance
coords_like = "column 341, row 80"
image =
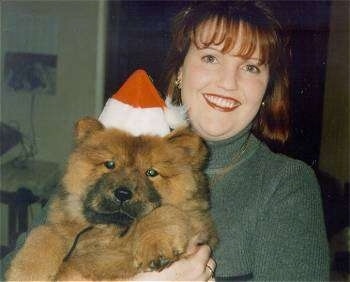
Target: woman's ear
column 85, row 127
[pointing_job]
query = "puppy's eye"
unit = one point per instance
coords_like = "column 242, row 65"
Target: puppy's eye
column 109, row 164
column 151, row 172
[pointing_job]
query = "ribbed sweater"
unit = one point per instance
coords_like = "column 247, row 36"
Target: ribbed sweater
column 268, row 214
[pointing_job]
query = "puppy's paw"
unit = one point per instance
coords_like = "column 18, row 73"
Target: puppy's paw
column 160, row 238
column 158, row 249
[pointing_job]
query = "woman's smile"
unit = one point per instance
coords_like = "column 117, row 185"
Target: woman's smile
column 221, row 103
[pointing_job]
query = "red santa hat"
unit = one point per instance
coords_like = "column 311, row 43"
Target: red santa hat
column 138, row 109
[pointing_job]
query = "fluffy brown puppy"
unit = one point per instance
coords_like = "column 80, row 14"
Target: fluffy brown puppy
column 127, row 204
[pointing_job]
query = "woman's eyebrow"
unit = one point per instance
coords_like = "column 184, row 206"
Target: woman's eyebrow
column 259, row 61
column 211, row 47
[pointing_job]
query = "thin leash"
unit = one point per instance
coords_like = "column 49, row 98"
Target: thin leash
column 76, row 242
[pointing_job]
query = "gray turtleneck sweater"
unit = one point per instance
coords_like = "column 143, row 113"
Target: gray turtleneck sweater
column 268, row 214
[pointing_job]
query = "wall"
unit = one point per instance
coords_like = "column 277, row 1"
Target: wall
column 334, row 155
column 75, row 32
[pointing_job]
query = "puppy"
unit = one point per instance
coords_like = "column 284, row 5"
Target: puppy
column 127, row 204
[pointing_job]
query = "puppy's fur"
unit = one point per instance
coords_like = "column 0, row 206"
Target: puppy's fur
column 144, row 197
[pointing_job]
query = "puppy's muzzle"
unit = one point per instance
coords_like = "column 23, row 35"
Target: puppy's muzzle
column 119, row 199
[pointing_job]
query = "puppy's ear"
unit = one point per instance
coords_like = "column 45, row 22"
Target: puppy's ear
column 85, row 127
column 191, row 143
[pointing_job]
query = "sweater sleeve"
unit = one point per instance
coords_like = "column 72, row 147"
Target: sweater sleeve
column 291, row 242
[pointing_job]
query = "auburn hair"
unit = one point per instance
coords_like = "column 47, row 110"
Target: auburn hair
column 261, row 30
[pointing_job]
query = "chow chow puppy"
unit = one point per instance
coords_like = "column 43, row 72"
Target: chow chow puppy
column 127, row 204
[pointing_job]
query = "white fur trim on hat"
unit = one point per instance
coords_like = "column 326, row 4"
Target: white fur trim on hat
column 176, row 116
column 139, row 121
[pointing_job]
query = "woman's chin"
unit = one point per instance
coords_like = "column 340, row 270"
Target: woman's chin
column 216, row 134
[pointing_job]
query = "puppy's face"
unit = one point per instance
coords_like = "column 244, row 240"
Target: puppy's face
column 113, row 177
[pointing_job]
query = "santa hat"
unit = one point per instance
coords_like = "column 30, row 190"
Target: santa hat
column 138, row 109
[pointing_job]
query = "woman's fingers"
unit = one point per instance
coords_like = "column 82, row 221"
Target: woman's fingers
column 203, row 265
column 196, row 267
column 210, row 268
column 202, row 255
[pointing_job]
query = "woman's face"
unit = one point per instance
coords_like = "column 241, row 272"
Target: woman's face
column 223, row 92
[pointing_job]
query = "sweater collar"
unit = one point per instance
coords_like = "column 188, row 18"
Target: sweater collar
column 222, row 152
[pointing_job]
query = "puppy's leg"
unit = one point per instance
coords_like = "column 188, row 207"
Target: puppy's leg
column 69, row 273
column 100, row 255
column 40, row 257
column 160, row 238
column 106, row 265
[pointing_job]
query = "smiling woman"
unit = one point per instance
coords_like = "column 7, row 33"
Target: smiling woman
column 228, row 65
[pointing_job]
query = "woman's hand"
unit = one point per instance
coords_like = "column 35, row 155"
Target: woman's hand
column 198, row 266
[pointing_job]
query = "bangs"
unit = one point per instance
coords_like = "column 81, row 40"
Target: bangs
column 220, row 31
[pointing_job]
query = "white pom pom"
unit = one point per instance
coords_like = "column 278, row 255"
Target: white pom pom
column 176, row 116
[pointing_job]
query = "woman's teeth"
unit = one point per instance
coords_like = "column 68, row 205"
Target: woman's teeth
column 221, row 103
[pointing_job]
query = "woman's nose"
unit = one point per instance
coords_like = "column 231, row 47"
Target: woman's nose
column 228, row 79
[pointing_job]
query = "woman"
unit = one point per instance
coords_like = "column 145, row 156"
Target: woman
column 227, row 66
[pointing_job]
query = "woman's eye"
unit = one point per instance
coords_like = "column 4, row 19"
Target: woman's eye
column 109, row 164
column 209, row 59
column 251, row 69
column 151, row 172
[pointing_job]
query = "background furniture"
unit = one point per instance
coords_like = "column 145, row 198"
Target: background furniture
column 22, row 184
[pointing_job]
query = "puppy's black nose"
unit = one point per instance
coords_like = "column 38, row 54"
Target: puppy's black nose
column 123, row 194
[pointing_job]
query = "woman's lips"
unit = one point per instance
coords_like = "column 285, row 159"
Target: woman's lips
column 221, row 103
